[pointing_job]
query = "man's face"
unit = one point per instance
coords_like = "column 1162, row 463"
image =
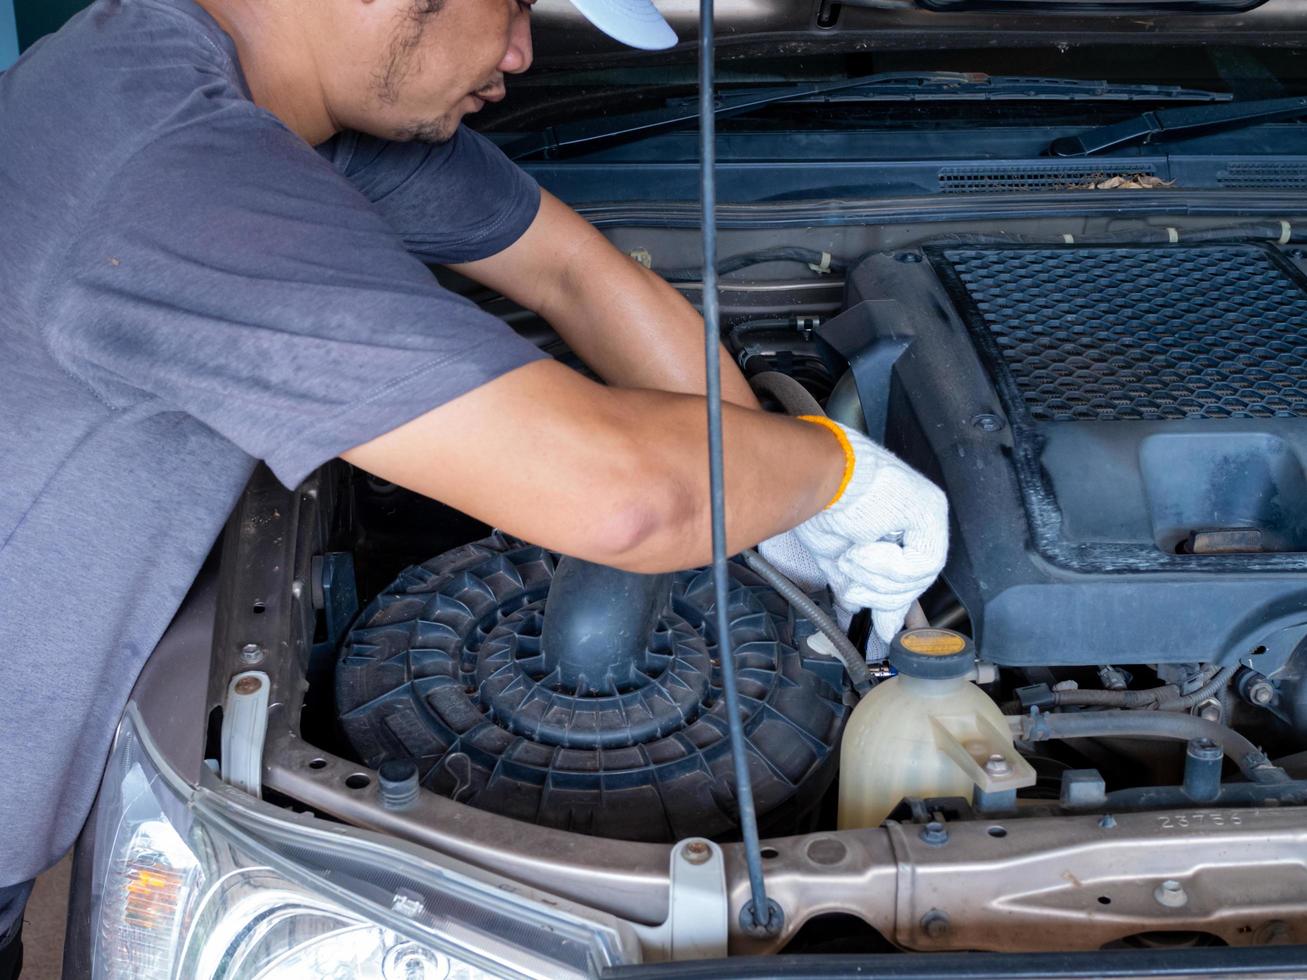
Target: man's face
column 430, row 62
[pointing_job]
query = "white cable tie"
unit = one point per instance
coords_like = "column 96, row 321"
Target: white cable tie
column 824, row 267
column 1068, row 238
column 1286, row 232
column 1172, row 235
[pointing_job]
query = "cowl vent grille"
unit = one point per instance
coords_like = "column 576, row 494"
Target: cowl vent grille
column 1015, row 178
column 1249, row 176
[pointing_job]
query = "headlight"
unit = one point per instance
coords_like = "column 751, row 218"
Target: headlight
column 187, row 885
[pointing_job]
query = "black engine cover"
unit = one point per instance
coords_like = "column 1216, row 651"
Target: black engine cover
column 1121, row 433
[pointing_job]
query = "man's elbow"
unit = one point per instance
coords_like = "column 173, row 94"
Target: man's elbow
column 648, row 525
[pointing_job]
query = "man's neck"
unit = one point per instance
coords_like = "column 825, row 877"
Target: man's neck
column 277, row 61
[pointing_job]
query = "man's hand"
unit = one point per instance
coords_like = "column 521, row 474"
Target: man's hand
column 789, row 556
column 787, row 553
column 884, row 539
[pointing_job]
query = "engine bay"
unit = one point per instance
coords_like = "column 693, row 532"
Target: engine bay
column 1095, row 719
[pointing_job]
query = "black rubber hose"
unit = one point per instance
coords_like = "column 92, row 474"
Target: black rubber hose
column 1164, row 698
column 784, row 253
column 804, row 606
column 1252, row 762
column 1265, row 231
column 1270, row 231
column 792, row 396
column 1115, row 699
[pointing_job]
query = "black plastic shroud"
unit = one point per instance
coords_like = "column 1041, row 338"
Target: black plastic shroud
column 1092, row 412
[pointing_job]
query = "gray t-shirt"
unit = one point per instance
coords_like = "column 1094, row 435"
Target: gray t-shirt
column 186, row 288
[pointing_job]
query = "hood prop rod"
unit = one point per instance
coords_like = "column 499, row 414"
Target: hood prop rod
column 760, row 916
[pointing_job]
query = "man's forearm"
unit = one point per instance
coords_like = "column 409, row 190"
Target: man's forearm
column 624, row 321
column 613, row 476
column 636, row 331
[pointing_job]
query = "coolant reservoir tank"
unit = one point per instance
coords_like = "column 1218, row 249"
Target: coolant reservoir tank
column 926, row 732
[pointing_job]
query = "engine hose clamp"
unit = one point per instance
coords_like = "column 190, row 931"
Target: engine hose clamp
column 822, row 268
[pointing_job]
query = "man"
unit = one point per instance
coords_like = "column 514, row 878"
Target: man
column 216, row 215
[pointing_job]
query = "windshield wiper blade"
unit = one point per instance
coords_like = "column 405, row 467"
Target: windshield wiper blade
column 569, row 136
column 557, row 140
column 966, row 87
column 1172, row 123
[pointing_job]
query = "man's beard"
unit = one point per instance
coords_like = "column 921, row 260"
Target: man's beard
column 387, row 82
column 442, row 128
column 432, row 131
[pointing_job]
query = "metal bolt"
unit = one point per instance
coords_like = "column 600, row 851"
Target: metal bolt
column 908, row 256
column 934, row 833
column 1113, row 679
column 987, row 422
column 1107, row 821
column 1210, row 710
column 1261, row 692
column 251, row 653
column 1171, row 894
column 996, row 765
column 696, row 852
column 248, row 685
column 935, row 924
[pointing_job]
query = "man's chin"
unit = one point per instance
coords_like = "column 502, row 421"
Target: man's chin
column 433, row 131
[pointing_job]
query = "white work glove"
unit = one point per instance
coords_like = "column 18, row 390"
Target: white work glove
column 794, row 561
column 884, row 539
column 786, row 552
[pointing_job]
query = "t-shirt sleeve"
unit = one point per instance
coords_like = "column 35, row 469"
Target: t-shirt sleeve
column 456, row 201
column 229, row 272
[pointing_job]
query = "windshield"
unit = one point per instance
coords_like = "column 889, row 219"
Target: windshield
column 919, row 117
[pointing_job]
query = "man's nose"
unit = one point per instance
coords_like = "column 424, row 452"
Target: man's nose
column 517, row 58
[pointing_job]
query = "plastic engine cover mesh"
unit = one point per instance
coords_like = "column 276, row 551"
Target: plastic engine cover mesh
column 1155, row 332
column 442, row 668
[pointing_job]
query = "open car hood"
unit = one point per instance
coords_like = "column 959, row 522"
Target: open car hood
column 745, row 26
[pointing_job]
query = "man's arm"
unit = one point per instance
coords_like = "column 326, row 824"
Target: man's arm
column 624, row 321
column 613, row 475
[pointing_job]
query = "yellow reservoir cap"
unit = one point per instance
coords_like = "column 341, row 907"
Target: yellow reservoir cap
column 932, row 642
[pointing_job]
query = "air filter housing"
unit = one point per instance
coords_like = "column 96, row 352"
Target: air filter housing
column 450, row 667
column 1120, row 430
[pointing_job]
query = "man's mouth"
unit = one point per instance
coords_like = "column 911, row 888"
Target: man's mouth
column 495, row 94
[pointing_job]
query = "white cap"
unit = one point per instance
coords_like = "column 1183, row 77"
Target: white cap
column 634, row 22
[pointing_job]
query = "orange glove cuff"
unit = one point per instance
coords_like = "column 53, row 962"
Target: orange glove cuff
column 849, row 458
